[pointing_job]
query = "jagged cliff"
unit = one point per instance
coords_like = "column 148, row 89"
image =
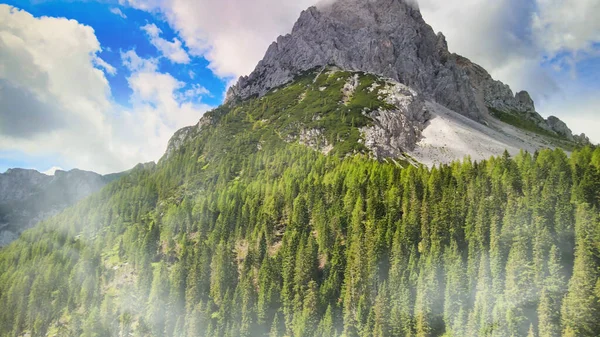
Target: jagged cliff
column 432, row 106
column 388, row 38
column 384, row 37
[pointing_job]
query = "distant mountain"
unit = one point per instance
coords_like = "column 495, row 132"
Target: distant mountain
column 28, row 196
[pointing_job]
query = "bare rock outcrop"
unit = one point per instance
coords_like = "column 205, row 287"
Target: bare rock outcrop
column 182, row 135
column 560, row 128
column 525, row 101
column 384, row 37
column 396, row 131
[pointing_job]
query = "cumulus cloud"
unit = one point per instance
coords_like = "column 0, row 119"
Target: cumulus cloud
column 161, row 100
column 24, row 114
column 562, row 25
column 233, row 35
column 49, row 106
column 172, row 50
column 134, row 63
column 107, row 67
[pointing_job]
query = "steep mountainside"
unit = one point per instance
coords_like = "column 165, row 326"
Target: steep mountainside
column 27, row 196
column 390, row 38
column 302, row 208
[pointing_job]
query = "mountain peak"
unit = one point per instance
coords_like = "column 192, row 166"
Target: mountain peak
column 388, row 38
column 384, row 37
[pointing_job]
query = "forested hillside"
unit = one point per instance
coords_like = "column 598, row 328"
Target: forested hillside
column 243, row 231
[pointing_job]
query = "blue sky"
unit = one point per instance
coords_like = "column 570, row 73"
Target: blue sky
column 118, row 29
column 106, row 83
column 117, row 34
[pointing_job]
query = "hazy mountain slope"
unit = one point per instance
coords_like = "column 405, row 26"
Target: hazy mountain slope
column 27, row 196
column 247, row 228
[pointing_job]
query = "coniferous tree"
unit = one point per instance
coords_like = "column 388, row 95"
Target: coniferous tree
column 581, row 307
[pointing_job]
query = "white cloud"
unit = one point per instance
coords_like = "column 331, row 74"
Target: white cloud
column 134, row 63
column 160, row 107
column 107, row 67
column 118, row 11
column 53, row 107
column 567, row 25
column 232, row 34
column 171, row 50
column 194, row 92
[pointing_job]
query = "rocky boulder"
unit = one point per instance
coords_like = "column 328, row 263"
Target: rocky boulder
column 560, row 128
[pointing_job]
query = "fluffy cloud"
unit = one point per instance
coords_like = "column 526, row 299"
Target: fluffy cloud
column 162, row 101
column 232, row 34
column 562, row 25
column 50, row 106
column 171, row 50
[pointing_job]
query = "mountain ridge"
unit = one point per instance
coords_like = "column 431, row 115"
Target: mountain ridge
column 28, row 196
column 389, row 38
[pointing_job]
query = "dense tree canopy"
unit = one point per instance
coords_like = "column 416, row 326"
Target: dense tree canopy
column 227, row 238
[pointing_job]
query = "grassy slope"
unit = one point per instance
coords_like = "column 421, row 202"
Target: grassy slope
column 516, row 119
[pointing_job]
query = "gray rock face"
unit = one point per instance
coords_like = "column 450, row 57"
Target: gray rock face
column 18, row 184
column 384, row 37
column 582, row 139
column 560, row 128
column 525, row 100
column 387, row 38
column 497, row 95
column 314, row 139
column 182, row 135
column 492, row 93
column 27, row 196
column 396, row 131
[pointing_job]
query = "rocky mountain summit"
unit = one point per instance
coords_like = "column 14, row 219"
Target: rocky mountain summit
column 389, row 38
column 384, row 37
column 28, row 196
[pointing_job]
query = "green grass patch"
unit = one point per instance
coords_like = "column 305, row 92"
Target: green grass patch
column 522, row 123
column 313, row 101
